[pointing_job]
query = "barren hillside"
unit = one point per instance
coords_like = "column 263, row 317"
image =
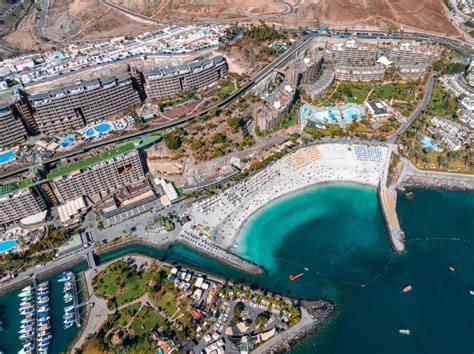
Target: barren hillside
column 93, row 19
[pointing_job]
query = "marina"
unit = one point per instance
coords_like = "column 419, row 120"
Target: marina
column 35, row 329
column 71, row 310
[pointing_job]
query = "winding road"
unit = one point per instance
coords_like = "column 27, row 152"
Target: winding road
column 289, row 9
column 424, row 103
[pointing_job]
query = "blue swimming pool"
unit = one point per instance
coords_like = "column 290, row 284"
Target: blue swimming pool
column 103, row 127
column 339, row 114
column 430, row 145
column 67, row 141
column 7, row 156
column 7, row 245
column 352, row 113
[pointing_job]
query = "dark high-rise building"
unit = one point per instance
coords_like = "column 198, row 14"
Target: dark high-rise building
column 168, row 81
column 18, row 201
column 72, row 107
column 12, row 129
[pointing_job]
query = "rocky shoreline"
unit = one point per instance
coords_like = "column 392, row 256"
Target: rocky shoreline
column 319, row 312
column 411, row 182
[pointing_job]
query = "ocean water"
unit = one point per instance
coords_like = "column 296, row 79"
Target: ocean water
column 337, row 233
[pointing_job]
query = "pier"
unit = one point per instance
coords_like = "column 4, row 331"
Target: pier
column 388, row 201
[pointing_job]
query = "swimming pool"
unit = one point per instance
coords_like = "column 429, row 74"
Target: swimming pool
column 7, row 245
column 7, row 156
column 101, row 128
column 339, row 114
column 352, row 113
column 430, row 145
column 67, row 141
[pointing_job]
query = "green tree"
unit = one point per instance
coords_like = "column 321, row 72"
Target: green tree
column 218, row 138
column 172, row 141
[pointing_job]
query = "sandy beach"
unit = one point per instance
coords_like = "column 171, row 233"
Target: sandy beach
column 226, row 213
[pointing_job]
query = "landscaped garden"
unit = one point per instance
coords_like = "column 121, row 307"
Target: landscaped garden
column 121, row 283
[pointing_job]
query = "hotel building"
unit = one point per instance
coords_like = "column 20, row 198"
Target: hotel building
column 12, row 129
column 408, row 71
column 309, row 68
column 360, row 73
column 18, row 201
column 276, row 109
column 411, row 53
column 353, row 52
column 168, row 81
column 96, row 176
column 72, row 107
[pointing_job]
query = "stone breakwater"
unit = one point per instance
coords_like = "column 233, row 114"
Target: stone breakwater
column 315, row 314
column 441, row 182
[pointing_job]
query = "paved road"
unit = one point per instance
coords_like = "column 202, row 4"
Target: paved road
column 426, row 99
column 41, row 22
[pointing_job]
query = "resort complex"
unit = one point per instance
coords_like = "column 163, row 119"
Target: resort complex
column 169, row 81
column 184, row 188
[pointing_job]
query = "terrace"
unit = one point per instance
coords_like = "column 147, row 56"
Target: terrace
column 95, row 159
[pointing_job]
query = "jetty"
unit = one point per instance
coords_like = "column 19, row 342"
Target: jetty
column 388, row 202
column 219, row 253
column 387, row 196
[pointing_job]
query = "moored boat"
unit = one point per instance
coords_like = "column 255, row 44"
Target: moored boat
column 293, row 277
column 407, row 289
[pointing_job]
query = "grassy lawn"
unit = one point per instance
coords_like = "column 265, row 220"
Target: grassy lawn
column 121, row 282
column 385, row 91
column 126, row 314
column 350, row 92
column 227, row 89
column 167, row 302
column 146, row 320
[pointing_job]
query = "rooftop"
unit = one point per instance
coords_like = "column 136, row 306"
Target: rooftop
column 95, row 159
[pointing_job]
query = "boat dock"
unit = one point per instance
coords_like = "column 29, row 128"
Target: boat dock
column 388, row 200
column 71, row 294
column 35, row 333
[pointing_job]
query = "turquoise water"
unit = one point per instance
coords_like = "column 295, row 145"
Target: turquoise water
column 7, row 245
column 103, row 127
column 67, row 141
column 7, row 156
column 312, row 113
column 430, row 145
column 351, row 114
column 337, row 233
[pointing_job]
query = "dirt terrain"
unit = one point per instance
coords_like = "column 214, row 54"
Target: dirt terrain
column 77, row 20
column 201, row 10
column 89, row 19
